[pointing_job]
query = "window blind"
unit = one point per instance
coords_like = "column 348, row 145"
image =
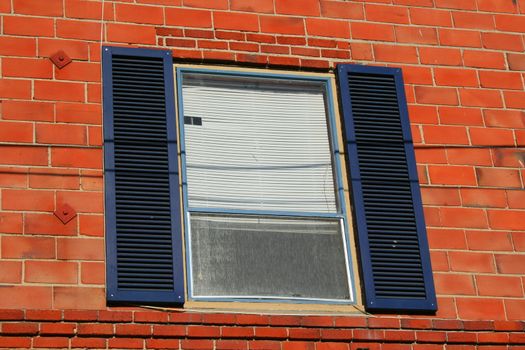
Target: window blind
column 257, row 144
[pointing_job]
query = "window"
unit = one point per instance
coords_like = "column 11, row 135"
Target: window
column 265, row 215
column 261, row 195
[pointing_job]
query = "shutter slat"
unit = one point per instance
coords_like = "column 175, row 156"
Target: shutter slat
column 390, row 225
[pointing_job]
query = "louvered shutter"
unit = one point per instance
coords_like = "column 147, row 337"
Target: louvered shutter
column 393, row 247
column 143, row 224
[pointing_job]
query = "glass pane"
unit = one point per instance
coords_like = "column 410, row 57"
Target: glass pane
column 257, row 144
column 247, row 256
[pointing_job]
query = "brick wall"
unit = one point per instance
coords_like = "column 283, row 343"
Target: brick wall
column 464, row 69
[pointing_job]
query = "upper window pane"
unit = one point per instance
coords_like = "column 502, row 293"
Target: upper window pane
column 257, row 144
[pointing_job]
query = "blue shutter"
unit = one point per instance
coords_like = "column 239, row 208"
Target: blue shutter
column 143, row 224
column 391, row 232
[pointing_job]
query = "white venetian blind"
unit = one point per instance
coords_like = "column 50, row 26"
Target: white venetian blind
column 257, row 144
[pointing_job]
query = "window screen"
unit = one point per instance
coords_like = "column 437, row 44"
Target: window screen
column 264, row 219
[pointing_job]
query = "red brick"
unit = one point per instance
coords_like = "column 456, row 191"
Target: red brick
column 92, row 273
column 439, row 261
column 76, row 49
column 452, row 4
column 88, row 343
column 83, row 30
column 20, row 328
column 476, row 197
column 327, row 28
column 497, row 6
column 11, row 46
column 196, row 344
column 270, row 39
column 16, row 132
column 440, row 196
column 510, row 23
column 131, row 34
column 82, row 202
column 219, row 4
column 59, row 91
column 27, row 110
column 347, row 10
column 295, row 345
column 473, row 20
column 139, row 14
column 514, row 99
column 79, row 298
column 27, row 68
column 259, row 6
column 518, row 239
column 445, row 135
column 15, row 342
column 236, row 21
column 497, row 177
column 164, row 344
column 169, row 331
column 91, row 225
column 28, row 247
column 25, row 297
column 471, row 262
column 81, row 71
column 446, row 238
column 369, row 31
column 452, row 175
column 13, row 88
column 277, row 49
column 237, row 332
column 386, row 13
column 10, row 272
column 46, row 8
column 125, row 343
column 480, row 309
column 461, row 337
column 48, row 224
column 80, row 249
column 58, row 328
column 61, row 134
column 504, row 118
column 484, row 59
column 515, row 311
column 95, row 329
column 491, row 137
column 516, row 61
column 501, row 80
column 432, row 95
column 393, row 53
column 72, row 157
column 282, row 320
column 489, row 241
column 146, row 316
column 188, row 18
column 461, row 38
column 28, row 200
column 499, row 286
column 133, row 330
column 501, row 41
column 431, row 17
column 480, row 98
column 440, row 56
column 416, row 35
column 303, row 8
column 511, row 264
column 80, row 315
column 400, row 335
column 304, row 333
column 88, row 9
column 91, row 180
column 43, row 315
column 463, row 218
column 460, row 116
column 271, row 332
column 473, row 156
column 51, row 272
column 12, row 177
column 49, row 178
column 430, row 336
column 455, row 77
column 361, row 51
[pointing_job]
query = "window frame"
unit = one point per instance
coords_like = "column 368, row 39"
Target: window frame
column 341, row 192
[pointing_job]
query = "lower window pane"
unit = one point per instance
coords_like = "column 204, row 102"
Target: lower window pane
column 268, row 257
